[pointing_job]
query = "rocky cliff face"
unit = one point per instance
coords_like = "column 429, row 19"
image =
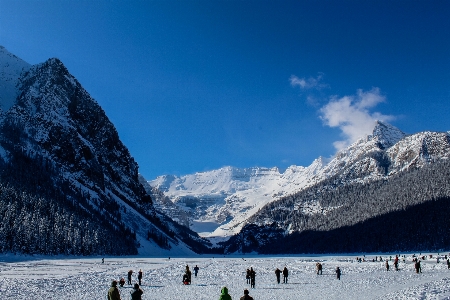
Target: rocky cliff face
column 54, row 120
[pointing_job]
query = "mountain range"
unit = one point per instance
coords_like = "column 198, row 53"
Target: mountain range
column 68, row 185
column 220, row 202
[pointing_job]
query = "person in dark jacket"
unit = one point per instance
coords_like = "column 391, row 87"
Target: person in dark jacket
column 278, row 273
column 113, row 292
column 285, row 275
column 185, row 279
column 247, row 276
column 130, row 272
column 338, row 273
column 196, row 270
column 387, row 265
column 319, row 268
column 224, row 294
column 246, row 296
column 136, row 293
column 188, row 273
column 140, row 276
column 252, row 278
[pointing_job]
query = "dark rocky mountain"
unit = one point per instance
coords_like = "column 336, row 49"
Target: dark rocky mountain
column 383, row 196
column 57, row 143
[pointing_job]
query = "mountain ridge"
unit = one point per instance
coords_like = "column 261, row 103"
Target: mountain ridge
column 374, row 157
column 57, row 130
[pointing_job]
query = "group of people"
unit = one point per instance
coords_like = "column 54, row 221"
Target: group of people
column 285, row 275
column 225, row 296
column 395, row 264
column 130, row 273
column 251, row 277
column 114, row 293
column 136, row 293
column 188, row 274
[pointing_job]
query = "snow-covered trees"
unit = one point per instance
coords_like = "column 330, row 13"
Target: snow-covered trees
column 38, row 225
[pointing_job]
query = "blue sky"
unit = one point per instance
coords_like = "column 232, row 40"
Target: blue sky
column 196, row 85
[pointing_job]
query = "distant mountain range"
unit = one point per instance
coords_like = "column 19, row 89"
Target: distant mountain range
column 220, row 202
column 56, row 143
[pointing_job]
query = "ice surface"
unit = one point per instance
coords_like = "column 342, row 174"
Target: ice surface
column 88, row 278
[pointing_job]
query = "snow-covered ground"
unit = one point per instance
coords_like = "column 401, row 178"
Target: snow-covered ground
column 88, row 278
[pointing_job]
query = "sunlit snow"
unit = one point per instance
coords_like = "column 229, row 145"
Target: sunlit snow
column 88, row 278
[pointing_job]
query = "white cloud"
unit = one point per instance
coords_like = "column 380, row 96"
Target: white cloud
column 351, row 114
column 307, row 83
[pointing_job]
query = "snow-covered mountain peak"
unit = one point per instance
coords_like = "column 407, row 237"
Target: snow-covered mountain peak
column 386, row 134
column 10, row 69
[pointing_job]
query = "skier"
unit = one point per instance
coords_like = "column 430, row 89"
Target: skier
column 140, row 276
column 113, row 292
column 247, row 276
column 103, row 260
column 246, row 296
column 224, row 294
column 130, row 272
column 448, row 263
column 252, row 278
column 285, row 275
column 387, row 265
column 338, row 273
column 278, row 273
column 136, row 293
column 196, row 270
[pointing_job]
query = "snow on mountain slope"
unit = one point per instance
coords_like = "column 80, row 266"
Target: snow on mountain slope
column 220, row 201
column 51, row 118
column 10, row 69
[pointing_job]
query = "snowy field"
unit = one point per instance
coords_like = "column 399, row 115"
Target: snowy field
column 88, row 278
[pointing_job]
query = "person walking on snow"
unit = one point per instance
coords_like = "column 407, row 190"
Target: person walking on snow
column 278, row 273
column 136, row 293
column 338, row 273
column 252, row 278
column 196, row 270
column 285, row 275
column 247, row 276
column 113, row 292
column 188, row 273
column 130, row 272
column 246, row 296
column 224, row 294
column 387, row 265
column 140, row 276
column 319, row 268
column 396, row 263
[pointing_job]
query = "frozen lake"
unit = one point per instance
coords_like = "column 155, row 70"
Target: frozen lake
column 88, row 278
